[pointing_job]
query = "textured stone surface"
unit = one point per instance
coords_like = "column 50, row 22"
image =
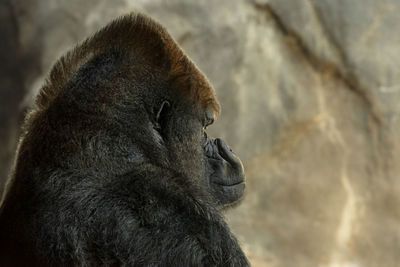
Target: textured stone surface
column 310, row 94
column 11, row 88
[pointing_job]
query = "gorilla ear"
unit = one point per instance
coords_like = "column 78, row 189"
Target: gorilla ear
column 161, row 114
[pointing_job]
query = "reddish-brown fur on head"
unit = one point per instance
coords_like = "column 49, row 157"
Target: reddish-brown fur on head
column 142, row 36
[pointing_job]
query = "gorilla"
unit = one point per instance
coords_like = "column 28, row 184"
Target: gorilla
column 114, row 167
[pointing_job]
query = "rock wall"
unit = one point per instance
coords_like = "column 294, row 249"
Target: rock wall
column 309, row 92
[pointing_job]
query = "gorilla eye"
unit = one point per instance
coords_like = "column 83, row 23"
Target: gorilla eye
column 208, row 123
column 208, row 118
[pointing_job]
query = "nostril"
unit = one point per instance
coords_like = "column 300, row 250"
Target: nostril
column 217, row 142
column 208, row 148
column 211, row 149
column 227, row 153
column 220, row 144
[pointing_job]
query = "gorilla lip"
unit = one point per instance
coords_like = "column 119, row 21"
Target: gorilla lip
column 230, row 185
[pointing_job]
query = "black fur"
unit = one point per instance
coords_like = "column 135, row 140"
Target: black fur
column 114, row 167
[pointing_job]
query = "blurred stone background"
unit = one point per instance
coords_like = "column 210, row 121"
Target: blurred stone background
column 310, row 94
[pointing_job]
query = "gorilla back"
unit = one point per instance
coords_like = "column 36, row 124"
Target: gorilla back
column 114, row 167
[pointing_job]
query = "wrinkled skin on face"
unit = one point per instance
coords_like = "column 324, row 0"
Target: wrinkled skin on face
column 224, row 172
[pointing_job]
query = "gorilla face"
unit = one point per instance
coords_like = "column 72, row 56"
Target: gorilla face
column 224, row 171
column 221, row 167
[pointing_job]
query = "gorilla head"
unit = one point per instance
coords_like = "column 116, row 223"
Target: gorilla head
column 115, row 167
column 210, row 162
column 179, row 130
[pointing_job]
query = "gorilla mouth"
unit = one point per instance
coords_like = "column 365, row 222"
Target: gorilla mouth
column 229, row 185
column 235, row 191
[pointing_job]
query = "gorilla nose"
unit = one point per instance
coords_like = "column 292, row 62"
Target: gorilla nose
column 227, row 154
